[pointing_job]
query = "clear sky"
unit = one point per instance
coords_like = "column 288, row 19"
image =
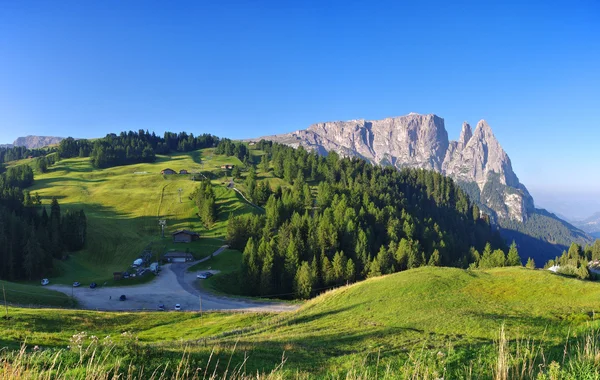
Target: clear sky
column 250, row 68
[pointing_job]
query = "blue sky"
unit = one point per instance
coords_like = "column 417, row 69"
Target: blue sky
column 250, row 68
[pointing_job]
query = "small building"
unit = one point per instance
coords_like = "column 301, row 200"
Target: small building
column 183, row 171
column 185, row 236
column 168, row 171
column 178, row 257
column 228, row 167
column 117, row 275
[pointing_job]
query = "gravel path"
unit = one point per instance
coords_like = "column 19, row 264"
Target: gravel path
column 174, row 285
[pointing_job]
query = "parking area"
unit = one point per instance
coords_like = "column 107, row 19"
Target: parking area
column 173, row 286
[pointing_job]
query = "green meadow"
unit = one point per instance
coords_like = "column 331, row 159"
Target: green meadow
column 447, row 319
column 124, row 204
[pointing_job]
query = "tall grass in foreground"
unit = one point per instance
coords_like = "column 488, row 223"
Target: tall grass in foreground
column 91, row 358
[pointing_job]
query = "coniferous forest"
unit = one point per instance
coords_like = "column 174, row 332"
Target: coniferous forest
column 30, row 237
column 132, row 147
column 344, row 220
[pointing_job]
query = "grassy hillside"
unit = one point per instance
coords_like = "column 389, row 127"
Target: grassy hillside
column 35, row 295
column 123, row 205
column 448, row 319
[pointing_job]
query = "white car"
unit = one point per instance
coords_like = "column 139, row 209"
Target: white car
column 204, row 275
column 177, row 307
column 45, row 282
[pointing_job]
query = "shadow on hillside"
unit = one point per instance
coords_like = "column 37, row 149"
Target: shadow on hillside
column 48, row 181
column 196, row 156
column 539, row 250
column 312, row 317
column 231, row 206
column 514, row 320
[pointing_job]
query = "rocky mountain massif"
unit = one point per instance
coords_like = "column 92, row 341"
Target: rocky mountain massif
column 476, row 161
column 32, row 142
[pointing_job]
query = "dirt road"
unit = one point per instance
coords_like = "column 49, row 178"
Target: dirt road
column 173, row 285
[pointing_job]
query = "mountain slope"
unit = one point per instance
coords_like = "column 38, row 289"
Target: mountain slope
column 476, row 161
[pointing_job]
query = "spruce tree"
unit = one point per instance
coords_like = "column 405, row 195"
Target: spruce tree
column 530, row 263
column 374, row 269
column 304, row 281
column 339, row 267
column 434, row 260
column 513, row 258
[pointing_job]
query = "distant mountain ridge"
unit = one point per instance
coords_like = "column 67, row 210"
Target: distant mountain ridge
column 476, row 161
column 591, row 225
column 32, row 142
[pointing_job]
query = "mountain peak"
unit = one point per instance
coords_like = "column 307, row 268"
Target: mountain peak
column 484, row 126
column 465, row 134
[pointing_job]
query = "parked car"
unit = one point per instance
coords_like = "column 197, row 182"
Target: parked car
column 161, row 307
column 93, row 285
column 45, row 282
column 122, row 298
column 177, row 307
column 76, row 284
column 204, row 275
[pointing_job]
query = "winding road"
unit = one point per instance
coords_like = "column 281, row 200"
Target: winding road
column 174, row 285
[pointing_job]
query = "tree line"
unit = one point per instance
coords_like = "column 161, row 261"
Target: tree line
column 132, row 147
column 204, row 197
column 343, row 219
column 29, row 238
column 574, row 261
column 14, row 153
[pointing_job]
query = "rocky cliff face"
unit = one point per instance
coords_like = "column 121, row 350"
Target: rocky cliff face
column 476, row 160
column 32, row 142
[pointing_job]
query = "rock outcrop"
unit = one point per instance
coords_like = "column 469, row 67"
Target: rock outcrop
column 476, row 161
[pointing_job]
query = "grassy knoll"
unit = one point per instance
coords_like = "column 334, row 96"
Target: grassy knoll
column 446, row 320
column 123, row 205
column 25, row 294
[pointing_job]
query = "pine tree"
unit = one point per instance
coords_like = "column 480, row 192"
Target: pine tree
column 267, row 284
column 434, row 260
column 583, row 273
column 292, row 259
column 384, row 259
column 264, row 164
column 374, row 269
column 339, row 267
column 401, row 254
column 498, row 258
column 326, row 271
column 361, row 251
column 250, row 267
column 530, row 263
column 414, row 258
column 513, row 259
column 350, row 270
column 304, row 281
column 596, row 250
